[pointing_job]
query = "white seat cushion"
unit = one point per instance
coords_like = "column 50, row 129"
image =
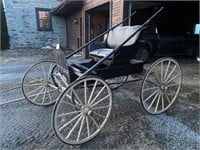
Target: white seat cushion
column 115, row 38
column 103, row 52
column 118, row 35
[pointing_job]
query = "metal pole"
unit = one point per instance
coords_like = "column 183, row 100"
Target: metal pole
column 129, row 12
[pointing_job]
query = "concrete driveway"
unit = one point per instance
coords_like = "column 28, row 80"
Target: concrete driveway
column 25, row 126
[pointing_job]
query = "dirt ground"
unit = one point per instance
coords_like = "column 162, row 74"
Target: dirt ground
column 25, row 126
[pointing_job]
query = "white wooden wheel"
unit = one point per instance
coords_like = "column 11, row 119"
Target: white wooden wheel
column 82, row 110
column 161, row 85
column 116, row 82
column 38, row 86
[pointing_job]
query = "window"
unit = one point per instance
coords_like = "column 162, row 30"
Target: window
column 44, row 20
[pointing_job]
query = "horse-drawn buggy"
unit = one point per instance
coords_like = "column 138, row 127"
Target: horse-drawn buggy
column 82, row 89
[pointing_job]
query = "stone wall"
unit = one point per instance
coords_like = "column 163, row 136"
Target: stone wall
column 22, row 25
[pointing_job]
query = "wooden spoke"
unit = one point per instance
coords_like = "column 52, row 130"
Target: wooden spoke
column 93, row 89
column 170, row 73
column 77, row 122
column 97, row 95
column 102, row 116
column 81, row 127
column 154, row 99
column 66, row 124
column 167, row 70
column 151, row 88
column 96, row 124
column 155, row 92
column 69, row 113
column 104, row 98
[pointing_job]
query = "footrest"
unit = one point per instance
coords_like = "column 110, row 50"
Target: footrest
column 81, row 67
column 76, row 70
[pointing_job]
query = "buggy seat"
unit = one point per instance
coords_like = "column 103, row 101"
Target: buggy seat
column 114, row 39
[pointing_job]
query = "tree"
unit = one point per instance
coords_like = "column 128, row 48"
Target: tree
column 4, row 31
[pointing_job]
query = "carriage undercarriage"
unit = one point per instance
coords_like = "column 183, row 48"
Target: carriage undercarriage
column 82, row 92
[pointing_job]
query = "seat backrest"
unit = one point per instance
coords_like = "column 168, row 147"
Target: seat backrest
column 118, row 35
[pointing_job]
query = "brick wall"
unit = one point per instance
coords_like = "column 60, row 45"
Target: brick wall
column 89, row 4
column 22, row 26
column 117, row 11
column 116, row 8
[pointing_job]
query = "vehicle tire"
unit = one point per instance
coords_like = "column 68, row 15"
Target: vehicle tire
column 142, row 52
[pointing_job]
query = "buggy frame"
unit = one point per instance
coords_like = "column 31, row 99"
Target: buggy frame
column 83, row 91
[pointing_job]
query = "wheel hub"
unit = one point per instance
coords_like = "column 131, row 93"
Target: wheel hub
column 86, row 111
column 163, row 87
column 46, row 83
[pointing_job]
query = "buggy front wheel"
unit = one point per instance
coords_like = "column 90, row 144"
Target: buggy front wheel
column 161, row 85
column 38, row 86
column 82, row 110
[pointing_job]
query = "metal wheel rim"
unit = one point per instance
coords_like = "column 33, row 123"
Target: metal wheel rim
column 116, row 82
column 83, row 121
column 37, row 85
column 159, row 98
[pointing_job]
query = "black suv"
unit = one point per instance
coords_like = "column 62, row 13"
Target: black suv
column 164, row 43
column 174, row 32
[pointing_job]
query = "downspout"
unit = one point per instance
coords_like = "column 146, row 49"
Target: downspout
column 129, row 12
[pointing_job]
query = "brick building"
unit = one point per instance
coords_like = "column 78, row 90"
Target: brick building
column 87, row 19
column 38, row 23
column 31, row 25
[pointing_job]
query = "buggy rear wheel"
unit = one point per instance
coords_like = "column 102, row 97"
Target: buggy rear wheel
column 161, row 85
column 38, row 86
column 82, row 110
column 116, row 82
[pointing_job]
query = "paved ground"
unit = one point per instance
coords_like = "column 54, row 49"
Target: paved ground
column 25, row 126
